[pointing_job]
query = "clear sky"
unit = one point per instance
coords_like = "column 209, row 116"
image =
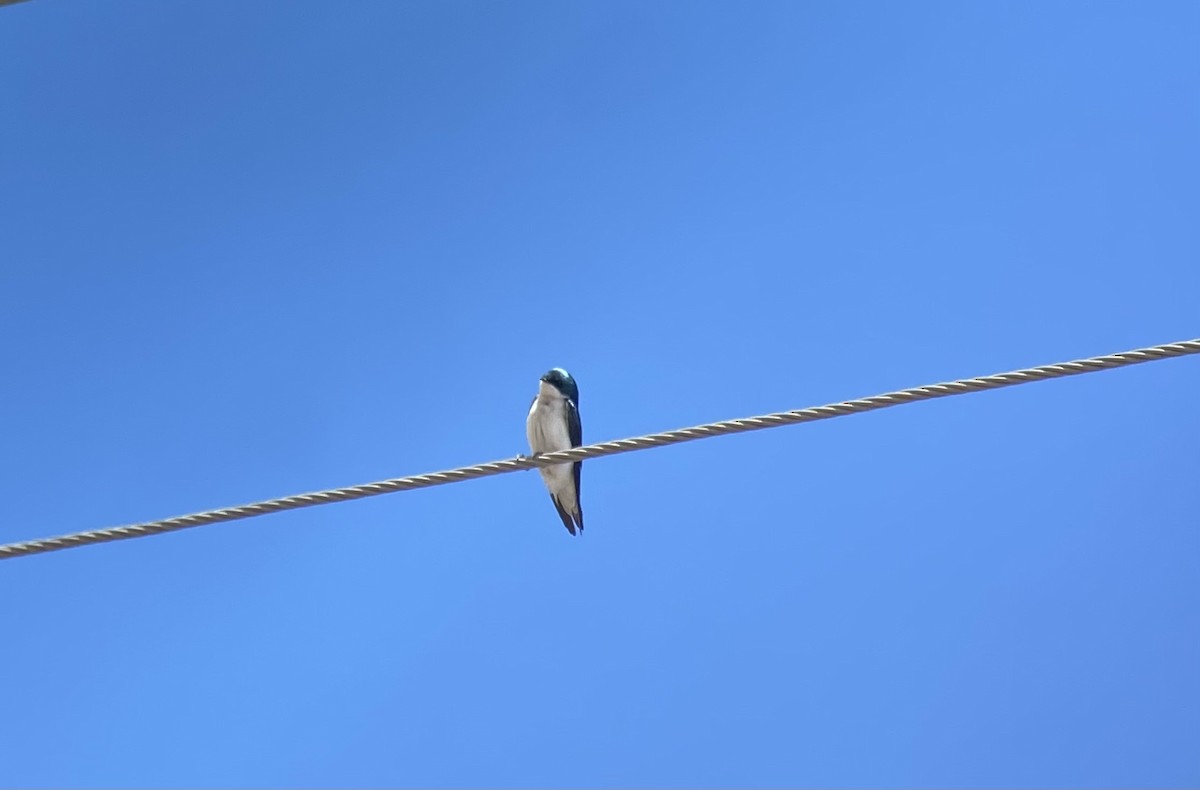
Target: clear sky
column 254, row 249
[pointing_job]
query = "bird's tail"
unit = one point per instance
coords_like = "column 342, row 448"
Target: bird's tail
column 565, row 516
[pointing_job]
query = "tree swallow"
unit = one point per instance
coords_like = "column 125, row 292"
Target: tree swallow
column 554, row 425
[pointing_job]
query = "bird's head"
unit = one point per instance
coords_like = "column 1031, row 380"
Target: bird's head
column 561, row 380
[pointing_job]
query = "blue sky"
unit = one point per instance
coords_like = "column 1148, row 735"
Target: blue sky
column 254, row 249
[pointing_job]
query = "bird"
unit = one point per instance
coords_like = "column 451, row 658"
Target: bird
column 553, row 424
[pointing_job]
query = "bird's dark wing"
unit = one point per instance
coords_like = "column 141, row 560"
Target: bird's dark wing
column 575, row 429
column 574, row 426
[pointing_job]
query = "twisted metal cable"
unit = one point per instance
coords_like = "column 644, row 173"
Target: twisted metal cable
column 928, row 392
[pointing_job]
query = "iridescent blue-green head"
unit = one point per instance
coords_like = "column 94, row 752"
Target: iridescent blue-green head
column 561, row 380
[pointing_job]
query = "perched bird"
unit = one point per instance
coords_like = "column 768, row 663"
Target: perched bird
column 554, row 425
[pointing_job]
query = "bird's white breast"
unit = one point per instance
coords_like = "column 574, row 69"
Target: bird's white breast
column 547, row 431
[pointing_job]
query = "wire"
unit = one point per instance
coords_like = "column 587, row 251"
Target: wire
column 929, row 392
